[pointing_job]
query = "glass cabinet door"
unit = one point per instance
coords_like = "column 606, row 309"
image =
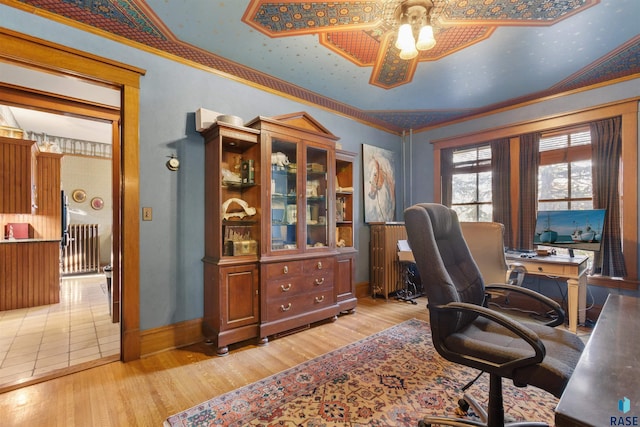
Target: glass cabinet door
column 316, row 215
column 284, row 195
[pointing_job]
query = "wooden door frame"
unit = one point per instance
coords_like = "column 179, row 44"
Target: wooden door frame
column 31, row 52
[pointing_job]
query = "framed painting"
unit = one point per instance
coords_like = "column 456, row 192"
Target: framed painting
column 378, row 168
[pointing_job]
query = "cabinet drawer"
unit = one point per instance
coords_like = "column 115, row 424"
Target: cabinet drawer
column 285, row 288
column 297, row 305
column 312, row 266
column 300, row 285
column 319, row 280
column 283, row 270
column 552, row 269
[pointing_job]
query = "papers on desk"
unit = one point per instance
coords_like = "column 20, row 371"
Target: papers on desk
column 405, row 254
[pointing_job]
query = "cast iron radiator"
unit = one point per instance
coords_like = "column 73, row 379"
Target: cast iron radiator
column 386, row 272
column 82, row 254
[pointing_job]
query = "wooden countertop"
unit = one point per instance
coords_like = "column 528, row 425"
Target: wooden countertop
column 29, row 240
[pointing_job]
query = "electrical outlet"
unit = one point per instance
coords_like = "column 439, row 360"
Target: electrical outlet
column 147, row 214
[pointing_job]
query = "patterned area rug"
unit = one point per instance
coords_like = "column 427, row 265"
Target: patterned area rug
column 392, row 378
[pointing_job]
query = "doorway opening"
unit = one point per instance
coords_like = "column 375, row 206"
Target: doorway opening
column 68, row 67
column 40, row 341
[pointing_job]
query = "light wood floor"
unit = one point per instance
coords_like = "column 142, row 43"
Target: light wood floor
column 145, row 392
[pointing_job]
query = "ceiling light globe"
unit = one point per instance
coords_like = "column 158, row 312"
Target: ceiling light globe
column 409, row 53
column 426, row 40
column 405, row 37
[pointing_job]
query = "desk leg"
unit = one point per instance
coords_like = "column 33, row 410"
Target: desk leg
column 582, row 300
column 572, row 297
column 577, row 298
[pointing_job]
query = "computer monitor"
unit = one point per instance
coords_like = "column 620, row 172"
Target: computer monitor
column 571, row 229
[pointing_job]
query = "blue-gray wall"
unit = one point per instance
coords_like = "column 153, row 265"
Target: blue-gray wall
column 172, row 245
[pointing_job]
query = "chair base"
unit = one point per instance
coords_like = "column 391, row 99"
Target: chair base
column 494, row 417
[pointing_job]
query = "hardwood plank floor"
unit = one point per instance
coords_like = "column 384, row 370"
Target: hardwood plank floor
column 145, row 392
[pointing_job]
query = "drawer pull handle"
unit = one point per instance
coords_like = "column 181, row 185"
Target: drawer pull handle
column 285, row 270
column 319, row 265
column 319, row 299
column 287, row 308
column 286, row 288
column 320, row 281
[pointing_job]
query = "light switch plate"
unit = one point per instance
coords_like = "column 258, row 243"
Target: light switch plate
column 147, row 214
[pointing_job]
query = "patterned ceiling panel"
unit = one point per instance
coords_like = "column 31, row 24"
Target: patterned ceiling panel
column 514, row 11
column 389, row 70
column 289, row 18
column 406, row 120
column 363, row 47
column 363, row 33
column 360, row 47
column 123, row 17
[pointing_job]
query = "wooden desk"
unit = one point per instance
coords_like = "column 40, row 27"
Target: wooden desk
column 573, row 269
column 608, row 370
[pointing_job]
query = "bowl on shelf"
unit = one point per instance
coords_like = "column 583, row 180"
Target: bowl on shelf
column 232, row 120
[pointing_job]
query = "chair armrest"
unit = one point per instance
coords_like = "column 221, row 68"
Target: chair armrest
column 551, row 304
column 518, row 328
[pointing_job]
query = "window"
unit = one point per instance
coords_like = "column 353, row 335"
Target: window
column 564, row 175
column 575, row 195
column 471, row 194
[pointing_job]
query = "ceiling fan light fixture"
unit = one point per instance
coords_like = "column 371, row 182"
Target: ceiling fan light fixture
column 426, row 40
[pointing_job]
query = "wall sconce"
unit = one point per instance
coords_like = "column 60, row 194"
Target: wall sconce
column 413, row 17
column 173, row 164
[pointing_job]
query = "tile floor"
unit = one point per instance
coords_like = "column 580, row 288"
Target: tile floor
column 37, row 340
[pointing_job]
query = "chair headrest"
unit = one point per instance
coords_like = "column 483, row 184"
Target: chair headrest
column 443, row 219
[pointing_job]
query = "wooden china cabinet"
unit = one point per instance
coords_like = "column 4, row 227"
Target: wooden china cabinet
column 231, row 272
column 271, row 261
column 298, row 259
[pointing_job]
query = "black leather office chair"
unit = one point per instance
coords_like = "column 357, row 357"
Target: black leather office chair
column 466, row 332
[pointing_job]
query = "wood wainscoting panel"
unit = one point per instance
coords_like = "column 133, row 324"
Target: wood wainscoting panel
column 31, row 274
column 16, row 162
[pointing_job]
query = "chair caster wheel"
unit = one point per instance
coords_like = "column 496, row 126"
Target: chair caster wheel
column 463, row 405
column 421, row 423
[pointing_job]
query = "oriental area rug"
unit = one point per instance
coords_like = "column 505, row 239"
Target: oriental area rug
column 392, row 378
